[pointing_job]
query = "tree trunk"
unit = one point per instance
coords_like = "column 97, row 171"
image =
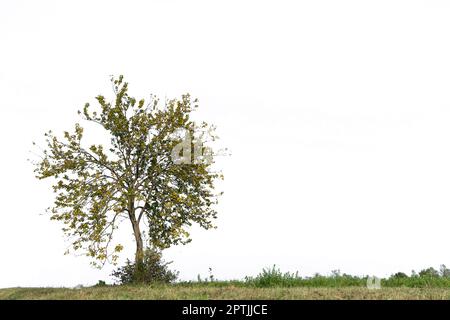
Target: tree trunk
column 139, row 256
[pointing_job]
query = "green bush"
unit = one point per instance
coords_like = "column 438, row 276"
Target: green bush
column 426, row 278
column 273, row 277
column 155, row 270
column 430, row 272
column 399, row 275
column 100, row 283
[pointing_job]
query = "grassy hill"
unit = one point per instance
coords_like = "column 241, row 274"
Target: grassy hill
column 224, row 292
column 270, row 284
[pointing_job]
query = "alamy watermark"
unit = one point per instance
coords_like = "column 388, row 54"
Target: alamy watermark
column 373, row 283
column 191, row 150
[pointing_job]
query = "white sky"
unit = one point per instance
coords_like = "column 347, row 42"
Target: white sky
column 336, row 112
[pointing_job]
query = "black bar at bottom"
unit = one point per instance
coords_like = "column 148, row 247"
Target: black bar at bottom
column 223, row 309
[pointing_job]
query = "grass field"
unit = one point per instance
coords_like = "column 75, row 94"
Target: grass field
column 226, row 292
column 270, row 284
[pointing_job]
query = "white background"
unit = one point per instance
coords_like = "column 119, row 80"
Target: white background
column 336, row 113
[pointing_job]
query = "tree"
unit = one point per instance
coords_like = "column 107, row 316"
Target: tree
column 138, row 176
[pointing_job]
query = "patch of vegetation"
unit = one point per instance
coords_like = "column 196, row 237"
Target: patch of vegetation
column 154, row 270
column 427, row 278
column 270, row 283
column 273, row 277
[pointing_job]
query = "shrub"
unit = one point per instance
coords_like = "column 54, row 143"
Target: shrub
column 273, row 277
column 399, row 275
column 430, row 272
column 100, row 283
column 427, row 278
column 155, row 270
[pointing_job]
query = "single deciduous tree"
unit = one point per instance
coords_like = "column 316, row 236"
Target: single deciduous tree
column 140, row 176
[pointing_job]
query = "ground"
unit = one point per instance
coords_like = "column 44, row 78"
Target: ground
column 228, row 292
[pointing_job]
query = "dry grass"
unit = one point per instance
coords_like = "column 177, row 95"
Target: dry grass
column 230, row 292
